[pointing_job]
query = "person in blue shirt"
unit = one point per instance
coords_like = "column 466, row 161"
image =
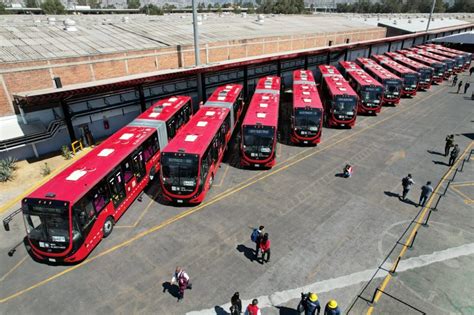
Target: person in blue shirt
column 332, row 308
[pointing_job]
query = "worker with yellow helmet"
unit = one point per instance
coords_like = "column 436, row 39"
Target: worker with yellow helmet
column 309, row 304
column 332, row 308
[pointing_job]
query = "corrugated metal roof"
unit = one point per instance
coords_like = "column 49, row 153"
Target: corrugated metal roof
column 24, row 38
column 412, row 24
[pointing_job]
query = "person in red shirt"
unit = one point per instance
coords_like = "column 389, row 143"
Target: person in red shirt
column 265, row 248
column 253, row 309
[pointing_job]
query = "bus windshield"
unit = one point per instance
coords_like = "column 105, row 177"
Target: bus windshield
column 309, row 119
column 439, row 68
column 392, row 87
column 47, row 222
column 179, row 170
column 345, row 105
column 426, row 75
column 371, row 93
column 258, row 141
column 449, row 64
column 410, row 80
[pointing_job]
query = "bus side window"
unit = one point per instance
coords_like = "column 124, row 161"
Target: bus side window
column 187, row 111
column 100, row 196
column 205, row 163
column 171, row 128
column 237, row 105
column 215, row 148
column 227, row 123
column 138, row 165
column 85, row 214
column 127, row 170
column 151, row 147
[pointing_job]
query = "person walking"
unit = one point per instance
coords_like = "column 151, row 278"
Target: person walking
column 332, row 308
column 347, row 172
column 265, row 248
column 236, row 304
column 256, row 237
column 454, row 155
column 466, row 87
column 309, row 304
column 449, row 143
column 426, row 191
column 459, row 86
column 252, row 309
column 181, row 278
column 407, row 182
column 455, row 80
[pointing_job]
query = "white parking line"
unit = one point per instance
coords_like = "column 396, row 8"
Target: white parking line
column 279, row 298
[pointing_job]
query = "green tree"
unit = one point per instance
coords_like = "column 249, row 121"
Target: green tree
column 462, row 6
column 151, row 9
column 52, row 7
column 391, row 6
column 133, row 4
column 440, row 6
column 168, row 8
column 201, row 6
column 209, row 7
column 94, row 4
column 2, row 8
column 81, row 2
column 110, row 6
column 31, row 4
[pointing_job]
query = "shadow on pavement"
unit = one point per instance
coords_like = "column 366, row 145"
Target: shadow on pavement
column 287, row 311
column 469, row 135
column 440, row 163
column 435, row 152
column 248, row 252
column 171, row 288
column 220, row 311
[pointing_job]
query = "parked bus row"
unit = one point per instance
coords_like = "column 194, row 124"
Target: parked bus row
column 67, row 216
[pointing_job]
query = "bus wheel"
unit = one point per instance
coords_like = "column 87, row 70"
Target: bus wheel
column 108, row 226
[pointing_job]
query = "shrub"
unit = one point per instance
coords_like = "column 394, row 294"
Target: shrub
column 7, row 166
column 45, row 170
column 65, row 152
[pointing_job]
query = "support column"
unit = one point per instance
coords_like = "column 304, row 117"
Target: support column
column 67, row 119
column 35, row 150
column 142, row 98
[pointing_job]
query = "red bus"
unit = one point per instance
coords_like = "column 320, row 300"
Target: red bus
column 66, row 217
column 458, row 58
column 260, row 125
column 307, row 111
column 370, row 90
column 467, row 55
column 339, row 99
column 191, row 160
column 392, row 84
column 425, row 72
column 409, row 77
column 448, row 61
column 440, row 69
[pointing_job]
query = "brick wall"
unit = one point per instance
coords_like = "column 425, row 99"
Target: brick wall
column 35, row 75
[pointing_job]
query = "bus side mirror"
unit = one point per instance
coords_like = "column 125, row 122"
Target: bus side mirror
column 6, row 225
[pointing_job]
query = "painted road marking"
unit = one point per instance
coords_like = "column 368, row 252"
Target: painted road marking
column 229, row 192
column 422, row 216
column 282, row 297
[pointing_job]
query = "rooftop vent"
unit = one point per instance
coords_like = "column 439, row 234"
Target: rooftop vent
column 261, row 18
column 51, row 20
column 190, row 138
column 125, row 19
column 126, row 136
column 202, row 123
column 261, row 115
column 70, row 25
column 74, row 176
column 105, row 152
column 199, row 20
column 263, row 105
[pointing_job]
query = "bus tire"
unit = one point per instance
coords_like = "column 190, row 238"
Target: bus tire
column 108, row 226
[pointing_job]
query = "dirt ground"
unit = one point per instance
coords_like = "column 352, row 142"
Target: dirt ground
column 27, row 174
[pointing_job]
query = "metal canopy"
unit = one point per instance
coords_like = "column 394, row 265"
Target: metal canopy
column 461, row 38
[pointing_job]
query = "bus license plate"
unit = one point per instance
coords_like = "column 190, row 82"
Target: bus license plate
column 179, row 201
column 257, row 165
column 52, row 259
column 370, row 112
column 305, row 142
column 342, row 125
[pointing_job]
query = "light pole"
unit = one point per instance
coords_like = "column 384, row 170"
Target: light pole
column 196, row 35
column 431, row 13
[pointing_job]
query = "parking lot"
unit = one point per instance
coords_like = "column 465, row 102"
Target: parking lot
column 328, row 233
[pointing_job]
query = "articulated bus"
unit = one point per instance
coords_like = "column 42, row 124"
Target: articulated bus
column 467, row 55
column 440, row 68
column 448, row 61
column 459, row 59
column 409, row 77
column 307, row 111
column 66, row 217
column 260, row 125
column 339, row 99
column 191, row 160
column 370, row 90
column 425, row 72
column 392, row 84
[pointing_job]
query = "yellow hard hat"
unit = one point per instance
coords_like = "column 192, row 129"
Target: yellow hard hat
column 313, row 297
column 332, row 304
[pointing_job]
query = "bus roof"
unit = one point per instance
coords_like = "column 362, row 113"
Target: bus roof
column 165, row 108
column 429, row 54
column 440, row 52
column 263, row 110
column 197, row 134
column 376, row 70
column 305, row 93
column 392, row 65
column 360, row 76
column 421, row 58
column 454, row 51
column 76, row 180
column 335, row 82
column 407, row 61
column 270, row 84
column 226, row 93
